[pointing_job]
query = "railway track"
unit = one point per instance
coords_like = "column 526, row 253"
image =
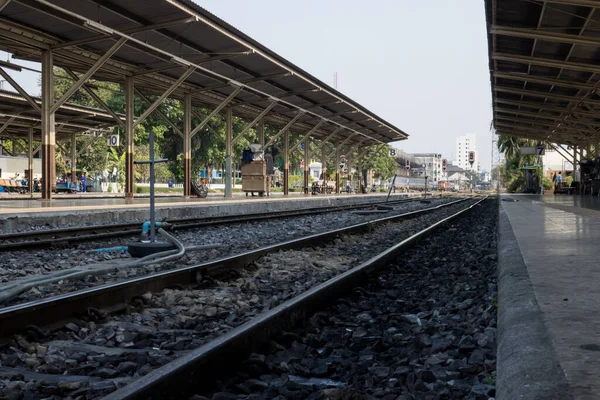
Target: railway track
column 53, row 313
column 70, row 236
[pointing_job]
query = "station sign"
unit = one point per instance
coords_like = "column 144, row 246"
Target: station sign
column 533, row 151
column 471, row 157
column 392, row 152
column 407, row 164
column 444, row 164
column 112, row 140
column 540, row 151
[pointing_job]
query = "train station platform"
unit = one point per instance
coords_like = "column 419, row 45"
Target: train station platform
column 19, row 215
column 549, row 297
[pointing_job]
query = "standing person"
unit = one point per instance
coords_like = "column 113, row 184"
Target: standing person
column 559, row 180
column 83, row 182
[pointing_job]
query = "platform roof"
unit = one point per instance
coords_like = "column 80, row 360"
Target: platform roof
column 544, row 68
column 165, row 38
column 17, row 117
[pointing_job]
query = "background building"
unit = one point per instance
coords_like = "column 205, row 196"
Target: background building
column 427, row 164
column 465, row 144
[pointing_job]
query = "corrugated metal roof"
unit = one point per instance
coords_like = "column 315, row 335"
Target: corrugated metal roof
column 544, row 69
column 163, row 39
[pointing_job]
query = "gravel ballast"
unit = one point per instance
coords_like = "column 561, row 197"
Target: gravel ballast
column 110, row 351
column 423, row 329
column 232, row 239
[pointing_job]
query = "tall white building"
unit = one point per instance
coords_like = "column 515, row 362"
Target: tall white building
column 465, row 144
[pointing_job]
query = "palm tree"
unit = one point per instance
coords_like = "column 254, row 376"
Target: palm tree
column 509, row 145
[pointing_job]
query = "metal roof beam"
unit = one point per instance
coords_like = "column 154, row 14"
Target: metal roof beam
column 585, row 3
column 541, row 107
column 310, row 132
column 200, row 61
column 546, row 62
column 543, row 80
column 331, row 135
column 130, row 31
column 545, row 95
column 3, row 3
column 216, row 111
column 285, row 128
column 19, row 89
column 160, row 113
column 254, row 122
column 96, row 98
column 243, row 81
column 166, row 94
column 97, row 65
column 528, row 114
column 545, row 35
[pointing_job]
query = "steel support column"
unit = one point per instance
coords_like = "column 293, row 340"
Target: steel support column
column 228, row 151
column 261, row 134
column 324, row 163
column 73, row 157
column 349, row 167
column 306, row 164
column 360, row 174
column 286, row 162
column 187, row 146
column 30, row 160
column 129, row 132
column 48, row 127
column 337, row 168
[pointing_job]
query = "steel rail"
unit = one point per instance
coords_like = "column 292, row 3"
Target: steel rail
column 197, row 371
column 53, row 310
column 66, row 236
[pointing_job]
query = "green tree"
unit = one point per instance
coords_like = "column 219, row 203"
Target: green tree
column 380, row 162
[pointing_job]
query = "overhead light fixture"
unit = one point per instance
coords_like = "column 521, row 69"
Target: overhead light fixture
column 274, row 99
column 181, row 61
column 10, row 65
column 235, row 83
column 99, row 28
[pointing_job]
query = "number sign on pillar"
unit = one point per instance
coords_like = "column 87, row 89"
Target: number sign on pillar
column 112, row 140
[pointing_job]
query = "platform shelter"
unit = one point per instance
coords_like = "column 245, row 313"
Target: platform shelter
column 175, row 49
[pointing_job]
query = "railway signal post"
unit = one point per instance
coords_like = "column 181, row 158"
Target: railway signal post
column 471, row 161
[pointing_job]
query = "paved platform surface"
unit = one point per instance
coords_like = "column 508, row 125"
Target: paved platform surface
column 559, row 239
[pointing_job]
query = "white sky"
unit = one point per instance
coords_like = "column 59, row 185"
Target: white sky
column 420, row 65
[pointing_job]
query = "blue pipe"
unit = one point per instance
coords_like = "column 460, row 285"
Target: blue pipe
column 102, row 250
column 146, row 226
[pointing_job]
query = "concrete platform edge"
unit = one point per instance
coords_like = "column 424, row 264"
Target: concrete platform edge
column 527, row 365
column 70, row 217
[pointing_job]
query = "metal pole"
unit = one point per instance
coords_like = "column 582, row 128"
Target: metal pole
column 152, row 211
column 391, row 187
column 129, row 132
column 337, row 169
column 30, row 160
column 48, row 127
column 324, row 166
column 306, row 162
column 228, row 146
column 360, row 175
column 349, row 167
column 73, row 158
column 187, row 146
column 261, row 134
column 286, row 163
